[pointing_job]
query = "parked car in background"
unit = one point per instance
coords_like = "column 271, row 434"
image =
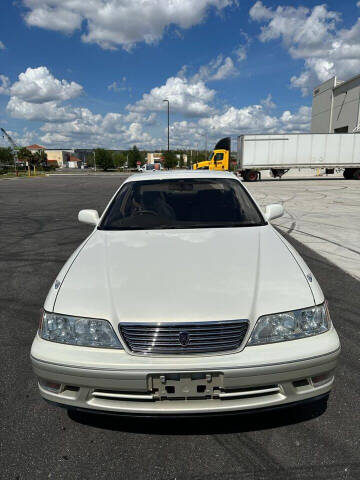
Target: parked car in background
column 230, row 318
column 148, row 167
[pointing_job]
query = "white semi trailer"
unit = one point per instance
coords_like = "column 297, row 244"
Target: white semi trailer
column 279, row 153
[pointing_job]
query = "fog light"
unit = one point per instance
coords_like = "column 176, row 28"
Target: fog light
column 321, row 379
column 51, row 386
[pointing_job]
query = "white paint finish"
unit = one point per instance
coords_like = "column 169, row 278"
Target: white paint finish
column 52, row 294
column 119, row 360
column 89, row 216
column 315, row 287
column 323, row 213
column 183, row 275
column 168, row 174
column 316, row 150
column 275, row 210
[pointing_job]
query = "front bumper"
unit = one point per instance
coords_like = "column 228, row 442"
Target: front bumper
column 219, row 383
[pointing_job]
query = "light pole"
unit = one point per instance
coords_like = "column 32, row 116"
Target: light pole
column 168, row 111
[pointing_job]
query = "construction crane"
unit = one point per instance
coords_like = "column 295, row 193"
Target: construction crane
column 13, row 145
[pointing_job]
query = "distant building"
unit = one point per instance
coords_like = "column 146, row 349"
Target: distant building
column 35, row 148
column 336, row 106
column 184, row 157
column 74, row 162
column 60, row 156
column 154, row 157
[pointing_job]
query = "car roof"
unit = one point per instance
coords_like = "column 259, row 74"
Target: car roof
column 176, row 174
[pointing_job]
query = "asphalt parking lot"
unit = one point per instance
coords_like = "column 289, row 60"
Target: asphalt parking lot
column 320, row 212
column 38, row 231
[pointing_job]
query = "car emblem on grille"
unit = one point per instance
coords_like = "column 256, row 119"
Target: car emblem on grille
column 184, row 338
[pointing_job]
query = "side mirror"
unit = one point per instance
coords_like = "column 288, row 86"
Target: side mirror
column 274, row 210
column 89, row 216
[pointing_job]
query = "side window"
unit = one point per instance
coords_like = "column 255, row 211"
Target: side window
column 218, row 157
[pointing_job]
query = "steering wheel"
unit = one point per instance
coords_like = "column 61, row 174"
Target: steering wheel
column 145, row 212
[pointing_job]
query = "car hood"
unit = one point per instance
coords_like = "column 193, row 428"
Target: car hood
column 183, row 275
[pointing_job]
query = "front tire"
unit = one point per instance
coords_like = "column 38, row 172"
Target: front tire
column 347, row 173
column 356, row 174
column 251, row 176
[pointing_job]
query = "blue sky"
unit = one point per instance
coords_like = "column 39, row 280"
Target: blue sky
column 84, row 74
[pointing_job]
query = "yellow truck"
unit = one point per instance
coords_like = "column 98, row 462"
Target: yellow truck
column 278, row 153
column 219, row 158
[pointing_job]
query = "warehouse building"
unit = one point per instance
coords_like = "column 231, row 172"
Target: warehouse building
column 59, row 157
column 336, row 106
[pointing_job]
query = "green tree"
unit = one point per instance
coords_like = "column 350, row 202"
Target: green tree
column 200, row 156
column 170, row 160
column 104, row 159
column 119, row 159
column 89, row 158
column 134, row 157
column 39, row 158
column 26, row 156
column 43, row 158
column 181, row 161
column 6, row 156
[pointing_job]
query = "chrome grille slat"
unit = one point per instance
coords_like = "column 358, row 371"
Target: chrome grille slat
column 166, row 344
column 175, row 338
column 194, row 334
column 183, row 325
column 202, row 337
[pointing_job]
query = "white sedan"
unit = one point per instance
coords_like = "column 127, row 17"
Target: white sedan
column 229, row 318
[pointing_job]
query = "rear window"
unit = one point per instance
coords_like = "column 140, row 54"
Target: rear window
column 181, row 203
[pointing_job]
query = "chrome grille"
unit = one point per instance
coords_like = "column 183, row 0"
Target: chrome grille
column 183, row 338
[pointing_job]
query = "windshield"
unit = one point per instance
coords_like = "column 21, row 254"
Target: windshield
column 211, row 155
column 181, row 203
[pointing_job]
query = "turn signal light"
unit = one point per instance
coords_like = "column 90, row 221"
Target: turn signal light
column 51, row 386
column 320, row 379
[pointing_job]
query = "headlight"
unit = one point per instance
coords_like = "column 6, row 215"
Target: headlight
column 280, row 327
column 87, row 332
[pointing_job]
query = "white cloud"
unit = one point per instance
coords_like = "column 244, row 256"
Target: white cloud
column 38, row 95
column 268, row 102
column 186, row 97
column 4, row 85
column 21, row 138
column 314, row 36
column 2, row 46
column 110, row 23
column 242, row 50
column 112, row 130
column 47, row 112
column 49, row 15
column 38, row 85
column 119, row 86
column 141, row 118
column 259, row 12
column 115, row 87
column 225, row 70
column 296, row 122
column 219, row 68
column 234, row 121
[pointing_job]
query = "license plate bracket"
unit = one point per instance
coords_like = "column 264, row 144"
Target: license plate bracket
column 186, row 385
